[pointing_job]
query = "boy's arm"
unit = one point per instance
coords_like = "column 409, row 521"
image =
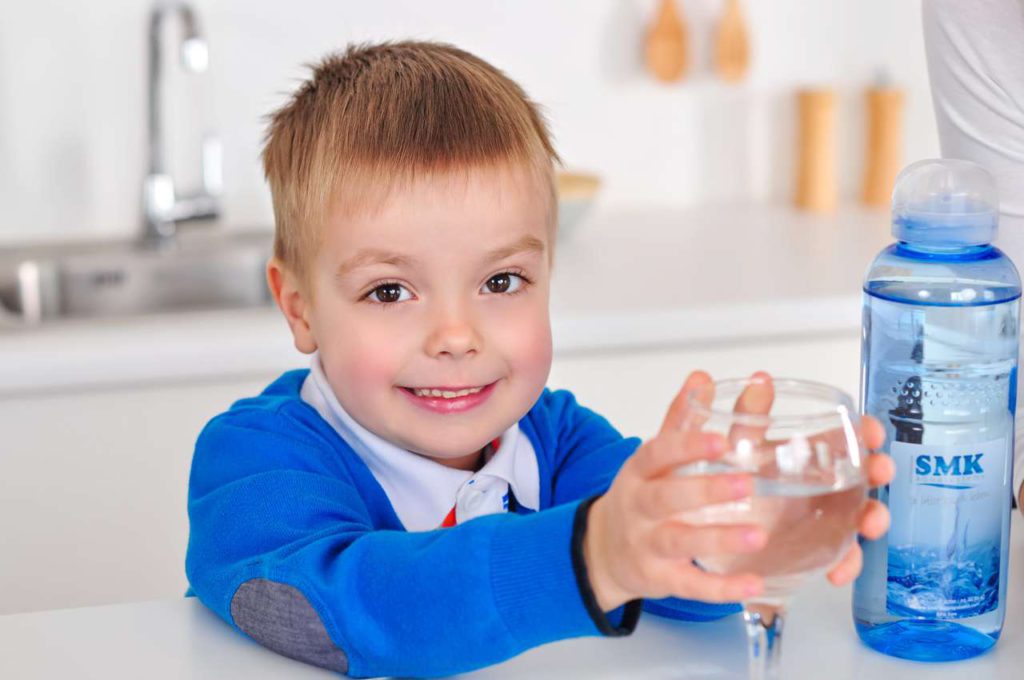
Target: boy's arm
column 590, row 453
column 285, row 550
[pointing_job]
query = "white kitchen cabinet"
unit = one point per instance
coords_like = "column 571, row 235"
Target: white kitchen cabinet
column 93, row 488
column 93, row 483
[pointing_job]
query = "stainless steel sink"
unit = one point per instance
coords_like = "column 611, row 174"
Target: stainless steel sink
column 202, row 269
column 170, row 267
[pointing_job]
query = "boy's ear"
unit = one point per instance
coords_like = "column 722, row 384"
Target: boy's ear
column 291, row 300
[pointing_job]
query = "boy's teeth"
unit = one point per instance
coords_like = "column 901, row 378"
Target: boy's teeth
column 445, row 393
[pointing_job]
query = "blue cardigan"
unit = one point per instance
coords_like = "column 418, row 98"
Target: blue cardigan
column 294, row 542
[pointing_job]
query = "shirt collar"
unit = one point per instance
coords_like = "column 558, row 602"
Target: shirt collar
column 420, row 490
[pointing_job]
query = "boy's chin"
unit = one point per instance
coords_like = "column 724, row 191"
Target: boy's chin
column 452, row 454
column 447, row 448
column 447, row 441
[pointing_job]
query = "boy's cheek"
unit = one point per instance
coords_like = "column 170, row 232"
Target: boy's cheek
column 371, row 369
column 538, row 346
column 362, row 363
column 527, row 344
column 376, row 362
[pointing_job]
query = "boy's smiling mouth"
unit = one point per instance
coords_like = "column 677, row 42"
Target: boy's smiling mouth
column 449, row 399
column 446, row 392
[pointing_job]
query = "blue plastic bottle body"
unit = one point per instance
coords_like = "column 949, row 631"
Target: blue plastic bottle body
column 939, row 371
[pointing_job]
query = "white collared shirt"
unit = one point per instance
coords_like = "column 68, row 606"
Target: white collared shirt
column 421, row 491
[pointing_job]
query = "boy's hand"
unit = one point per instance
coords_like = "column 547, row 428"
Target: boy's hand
column 634, row 548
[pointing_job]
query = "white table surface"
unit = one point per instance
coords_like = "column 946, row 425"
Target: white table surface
column 625, row 278
column 175, row 639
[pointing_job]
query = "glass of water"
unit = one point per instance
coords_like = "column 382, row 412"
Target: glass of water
column 801, row 442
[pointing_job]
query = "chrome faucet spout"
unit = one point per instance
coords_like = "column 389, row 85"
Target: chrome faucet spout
column 163, row 208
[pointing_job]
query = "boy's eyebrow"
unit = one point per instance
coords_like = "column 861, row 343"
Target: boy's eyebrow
column 525, row 244
column 372, row 256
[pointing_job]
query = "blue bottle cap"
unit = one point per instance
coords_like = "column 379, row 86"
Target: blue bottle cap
column 945, row 203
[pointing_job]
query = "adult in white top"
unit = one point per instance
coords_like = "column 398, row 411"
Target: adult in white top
column 975, row 54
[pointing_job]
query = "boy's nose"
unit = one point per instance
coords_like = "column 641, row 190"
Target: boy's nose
column 454, row 336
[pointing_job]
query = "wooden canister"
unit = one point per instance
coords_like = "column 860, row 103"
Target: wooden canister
column 816, row 186
column 883, row 155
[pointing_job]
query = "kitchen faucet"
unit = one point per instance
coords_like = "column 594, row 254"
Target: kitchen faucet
column 163, row 209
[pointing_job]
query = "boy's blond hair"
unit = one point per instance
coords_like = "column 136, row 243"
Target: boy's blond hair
column 375, row 115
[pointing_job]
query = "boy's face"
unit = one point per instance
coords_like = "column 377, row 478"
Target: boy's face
column 445, row 287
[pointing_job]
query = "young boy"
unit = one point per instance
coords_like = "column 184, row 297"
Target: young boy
column 417, row 503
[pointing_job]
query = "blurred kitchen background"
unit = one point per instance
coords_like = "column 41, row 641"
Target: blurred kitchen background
column 73, row 94
column 683, row 245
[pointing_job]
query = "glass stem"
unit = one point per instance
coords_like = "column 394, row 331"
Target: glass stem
column 764, row 639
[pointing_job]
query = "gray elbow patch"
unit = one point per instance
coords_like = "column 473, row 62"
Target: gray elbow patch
column 279, row 617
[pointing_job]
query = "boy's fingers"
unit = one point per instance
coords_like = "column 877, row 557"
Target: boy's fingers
column 672, row 494
column 880, row 469
column 756, row 399
column 676, row 540
column 673, row 449
column 677, row 410
column 848, row 568
column 874, row 520
column 872, row 432
column 689, row 582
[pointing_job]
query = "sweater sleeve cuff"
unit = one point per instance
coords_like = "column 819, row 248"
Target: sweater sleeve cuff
column 618, row 622
column 535, row 582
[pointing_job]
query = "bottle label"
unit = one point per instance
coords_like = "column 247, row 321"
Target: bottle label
column 947, row 505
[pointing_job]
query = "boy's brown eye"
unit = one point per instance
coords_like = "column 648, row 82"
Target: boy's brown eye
column 389, row 292
column 505, row 282
column 499, row 283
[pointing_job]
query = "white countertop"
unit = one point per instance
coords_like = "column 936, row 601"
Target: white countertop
column 624, row 278
column 178, row 639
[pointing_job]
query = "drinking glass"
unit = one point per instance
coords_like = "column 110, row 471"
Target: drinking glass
column 801, row 442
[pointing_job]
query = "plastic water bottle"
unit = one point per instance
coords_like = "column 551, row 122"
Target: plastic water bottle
column 939, row 370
